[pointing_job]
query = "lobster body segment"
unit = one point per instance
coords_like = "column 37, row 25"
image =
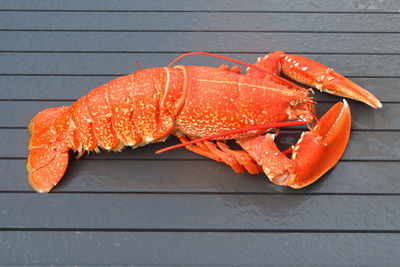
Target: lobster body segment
column 218, row 101
column 194, row 102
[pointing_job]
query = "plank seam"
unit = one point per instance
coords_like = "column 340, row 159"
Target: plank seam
column 201, row 230
column 195, row 31
column 197, row 11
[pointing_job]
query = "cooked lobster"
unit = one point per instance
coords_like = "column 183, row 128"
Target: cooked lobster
column 208, row 105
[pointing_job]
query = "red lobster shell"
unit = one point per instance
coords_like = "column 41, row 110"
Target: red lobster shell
column 209, row 103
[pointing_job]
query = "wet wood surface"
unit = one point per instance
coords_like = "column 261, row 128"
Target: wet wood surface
column 136, row 207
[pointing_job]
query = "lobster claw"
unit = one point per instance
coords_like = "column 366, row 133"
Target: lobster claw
column 311, row 73
column 316, row 152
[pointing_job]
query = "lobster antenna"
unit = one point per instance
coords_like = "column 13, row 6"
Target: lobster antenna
column 241, row 130
column 137, row 64
column 237, row 62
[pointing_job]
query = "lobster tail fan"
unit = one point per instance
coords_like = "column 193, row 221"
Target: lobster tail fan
column 48, row 157
column 46, row 167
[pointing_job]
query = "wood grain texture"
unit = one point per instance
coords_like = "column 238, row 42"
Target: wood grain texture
column 200, row 176
column 194, row 211
column 88, row 64
column 199, row 21
column 194, row 41
column 207, row 5
column 201, row 249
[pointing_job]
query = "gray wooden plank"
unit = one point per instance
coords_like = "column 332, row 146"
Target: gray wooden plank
column 192, row 21
column 363, row 145
column 199, row 41
column 125, row 63
column 52, row 87
column 363, row 116
column 200, row 211
column 16, row 118
column 198, row 249
column 73, row 87
column 98, row 209
column 207, row 5
column 201, row 176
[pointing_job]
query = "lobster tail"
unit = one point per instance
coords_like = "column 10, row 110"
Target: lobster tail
column 48, row 156
column 133, row 110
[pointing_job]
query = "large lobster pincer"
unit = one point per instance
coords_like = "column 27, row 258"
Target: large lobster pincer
column 203, row 103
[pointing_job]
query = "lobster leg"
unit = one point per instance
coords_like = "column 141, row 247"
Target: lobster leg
column 312, row 73
column 315, row 153
column 238, row 160
column 234, row 69
column 210, row 150
column 199, row 148
column 243, row 157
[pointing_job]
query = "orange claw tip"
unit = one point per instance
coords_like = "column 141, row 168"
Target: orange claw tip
column 336, row 122
column 337, row 84
column 312, row 73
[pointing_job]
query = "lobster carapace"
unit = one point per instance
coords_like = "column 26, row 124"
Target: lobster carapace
column 203, row 103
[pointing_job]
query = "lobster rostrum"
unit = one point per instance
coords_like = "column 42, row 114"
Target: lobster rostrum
column 208, row 105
